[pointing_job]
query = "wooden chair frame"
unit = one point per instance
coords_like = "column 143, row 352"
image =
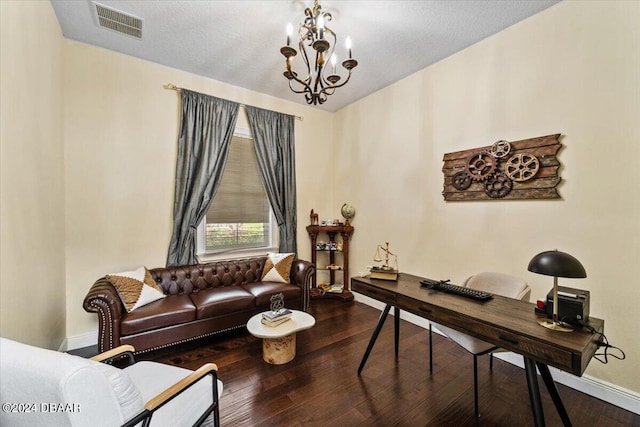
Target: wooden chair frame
column 127, row 351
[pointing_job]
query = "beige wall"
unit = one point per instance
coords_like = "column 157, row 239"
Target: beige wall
column 573, row 69
column 32, row 287
column 120, row 146
column 93, row 178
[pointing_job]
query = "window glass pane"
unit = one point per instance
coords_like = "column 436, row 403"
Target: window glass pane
column 245, row 235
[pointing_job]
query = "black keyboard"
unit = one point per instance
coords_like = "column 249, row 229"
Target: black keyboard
column 442, row 285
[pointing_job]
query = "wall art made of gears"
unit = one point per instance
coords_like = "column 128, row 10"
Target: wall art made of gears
column 511, row 170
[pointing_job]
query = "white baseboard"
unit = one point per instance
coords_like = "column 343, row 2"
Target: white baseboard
column 610, row 393
column 79, row 341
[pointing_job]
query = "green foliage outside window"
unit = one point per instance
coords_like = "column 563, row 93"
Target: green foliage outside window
column 244, row 235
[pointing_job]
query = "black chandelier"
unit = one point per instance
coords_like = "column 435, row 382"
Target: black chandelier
column 316, row 39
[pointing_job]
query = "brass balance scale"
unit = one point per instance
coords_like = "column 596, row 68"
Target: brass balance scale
column 385, row 271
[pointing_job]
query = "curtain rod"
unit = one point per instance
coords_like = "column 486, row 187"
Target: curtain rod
column 171, row 86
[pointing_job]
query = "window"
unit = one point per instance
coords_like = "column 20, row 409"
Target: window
column 239, row 220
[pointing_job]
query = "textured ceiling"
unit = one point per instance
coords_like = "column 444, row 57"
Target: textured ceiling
column 238, row 42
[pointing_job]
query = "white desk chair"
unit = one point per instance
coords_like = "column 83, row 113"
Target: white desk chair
column 497, row 284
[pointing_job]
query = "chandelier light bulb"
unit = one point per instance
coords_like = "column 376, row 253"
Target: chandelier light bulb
column 320, row 24
column 289, row 32
column 333, row 62
column 347, row 42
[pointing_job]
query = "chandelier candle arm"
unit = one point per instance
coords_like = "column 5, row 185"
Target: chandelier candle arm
column 314, row 34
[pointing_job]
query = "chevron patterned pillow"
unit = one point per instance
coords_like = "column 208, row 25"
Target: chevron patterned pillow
column 136, row 288
column 277, row 268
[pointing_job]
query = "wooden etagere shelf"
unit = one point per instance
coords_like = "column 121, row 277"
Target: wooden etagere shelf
column 331, row 256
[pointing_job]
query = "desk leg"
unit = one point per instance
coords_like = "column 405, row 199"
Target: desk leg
column 553, row 391
column 396, row 329
column 374, row 337
column 534, row 392
column 430, row 348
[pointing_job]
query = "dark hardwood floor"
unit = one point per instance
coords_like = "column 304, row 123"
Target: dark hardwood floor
column 320, row 387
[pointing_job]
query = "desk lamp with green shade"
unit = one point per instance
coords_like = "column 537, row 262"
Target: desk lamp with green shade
column 557, row 264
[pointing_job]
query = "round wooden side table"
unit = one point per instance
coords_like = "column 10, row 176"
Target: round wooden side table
column 279, row 343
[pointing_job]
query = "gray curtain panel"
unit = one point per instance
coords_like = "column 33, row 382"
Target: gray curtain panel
column 206, row 129
column 274, row 142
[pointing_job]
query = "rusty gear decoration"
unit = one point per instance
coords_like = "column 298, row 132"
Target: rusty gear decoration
column 481, row 165
column 522, row 167
column 500, row 149
column 461, row 181
column 498, row 185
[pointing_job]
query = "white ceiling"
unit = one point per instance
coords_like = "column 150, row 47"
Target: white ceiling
column 238, row 42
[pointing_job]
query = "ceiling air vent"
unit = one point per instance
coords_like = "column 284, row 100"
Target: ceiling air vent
column 118, row 21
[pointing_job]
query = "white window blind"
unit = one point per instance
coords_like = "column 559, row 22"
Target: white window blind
column 239, row 215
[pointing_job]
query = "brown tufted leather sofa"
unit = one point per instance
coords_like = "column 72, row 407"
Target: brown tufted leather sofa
column 202, row 300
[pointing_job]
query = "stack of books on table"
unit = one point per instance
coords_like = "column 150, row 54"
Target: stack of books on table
column 275, row 318
column 384, row 273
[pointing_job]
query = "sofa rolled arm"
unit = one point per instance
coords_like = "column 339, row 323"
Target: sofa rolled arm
column 103, row 299
column 301, row 275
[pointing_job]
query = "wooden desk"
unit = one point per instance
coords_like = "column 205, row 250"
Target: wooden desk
column 505, row 322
